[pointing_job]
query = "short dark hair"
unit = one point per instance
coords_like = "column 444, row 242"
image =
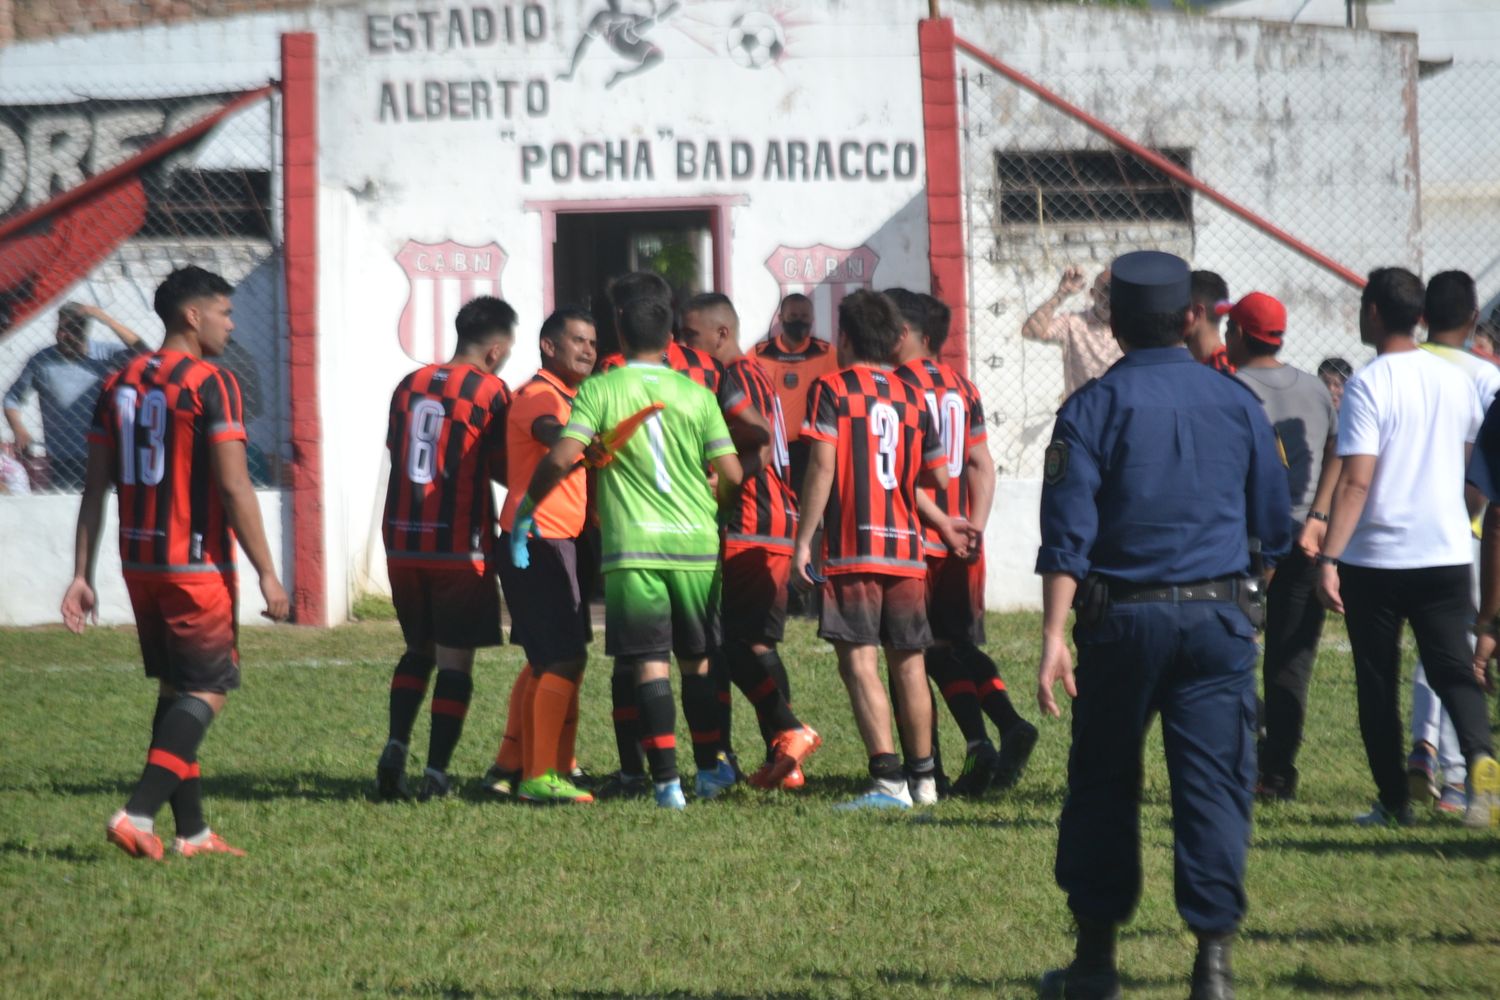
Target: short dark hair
column 1335, row 366
column 793, row 298
column 704, row 301
column 1397, row 295
column 638, row 284
column 1208, row 288
column 1257, row 348
column 183, row 286
column 939, row 320
column 483, row 318
column 1163, row 329
column 645, row 323
column 1450, row 302
column 554, row 325
column 872, row 323
column 910, row 305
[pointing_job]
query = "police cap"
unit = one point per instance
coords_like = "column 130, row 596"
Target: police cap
column 1149, row 281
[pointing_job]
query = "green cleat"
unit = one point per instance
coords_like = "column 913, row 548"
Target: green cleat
column 551, row 789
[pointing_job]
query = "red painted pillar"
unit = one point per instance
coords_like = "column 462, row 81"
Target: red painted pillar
column 945, row 223
column 299, row 110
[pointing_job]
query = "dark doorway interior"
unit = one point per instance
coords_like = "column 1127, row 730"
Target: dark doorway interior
column 593, row 247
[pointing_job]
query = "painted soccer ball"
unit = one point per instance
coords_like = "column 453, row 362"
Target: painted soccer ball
column 756, row 40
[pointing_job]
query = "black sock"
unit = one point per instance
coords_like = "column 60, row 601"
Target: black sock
column 658, row 728
column 952, row 679
column 992, row 694
column 921, row 767
column 886, row 767
column 701, row 708
column 718, row 672
column 408, row 688
column 173, row 757
column 762, row 679
column 186, row 799
column 450, row 705
column 626, row 715
column 163, row 705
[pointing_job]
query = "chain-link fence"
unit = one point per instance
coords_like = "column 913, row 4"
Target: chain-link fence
column 1327, row 153
column 100, row 198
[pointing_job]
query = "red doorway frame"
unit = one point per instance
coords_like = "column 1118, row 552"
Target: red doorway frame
column 720, row 225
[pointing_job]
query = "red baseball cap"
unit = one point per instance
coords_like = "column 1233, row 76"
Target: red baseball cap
column 1257, row 315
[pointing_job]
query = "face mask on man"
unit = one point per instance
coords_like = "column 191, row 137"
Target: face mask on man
column 796, row 328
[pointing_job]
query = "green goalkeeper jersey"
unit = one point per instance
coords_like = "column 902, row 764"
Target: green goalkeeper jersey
column 656, row 510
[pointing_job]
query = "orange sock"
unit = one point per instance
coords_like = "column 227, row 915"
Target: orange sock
column 549, row 710
column 566, row 761
column 509, row 756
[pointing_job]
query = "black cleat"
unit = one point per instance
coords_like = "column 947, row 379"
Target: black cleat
column 623, row 786
column 582, row 779
column 434, row 786
column 1071, row 984
column 980, row 765
column 1212, row 977
column 500, row 783
column 1016, row 745
column 390, row 774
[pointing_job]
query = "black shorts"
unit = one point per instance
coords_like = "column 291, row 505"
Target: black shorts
column 549, row 612
column 457, row 607
column 755, row 594
column 188, row 630
column 955, row 599
column 797, row 453
column 875, row 609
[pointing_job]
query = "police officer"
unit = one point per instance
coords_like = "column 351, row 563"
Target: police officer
column 1158, row 475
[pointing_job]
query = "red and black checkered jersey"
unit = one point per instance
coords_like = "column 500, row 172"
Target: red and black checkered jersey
column 446, row 438
column 767, row 513
column 701, row 368
column 883, row 437
column 159, row 416
column 958, row 415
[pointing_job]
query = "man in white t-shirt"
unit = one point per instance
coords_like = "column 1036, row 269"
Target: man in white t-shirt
column 1436, row 769
column 1397, row 547
column 1088, row 344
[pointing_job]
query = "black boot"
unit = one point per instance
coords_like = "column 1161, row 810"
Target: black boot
column 1092, row 974
column 1212, row 979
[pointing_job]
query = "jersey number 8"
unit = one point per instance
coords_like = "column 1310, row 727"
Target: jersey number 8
column 425, row 429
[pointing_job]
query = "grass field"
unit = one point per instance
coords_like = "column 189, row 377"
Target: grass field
column 756, row 896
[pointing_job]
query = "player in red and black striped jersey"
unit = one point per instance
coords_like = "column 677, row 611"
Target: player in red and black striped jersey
column 757, row 547
column 968, row 679
column 446, row 438
column 871, row 439
column 169, row 433
column 696, row 365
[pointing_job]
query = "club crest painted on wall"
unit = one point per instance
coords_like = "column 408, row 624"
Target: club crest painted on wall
column 824, row 274
column 442, row 277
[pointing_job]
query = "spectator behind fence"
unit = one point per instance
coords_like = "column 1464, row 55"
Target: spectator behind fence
column 1210, row 303
column 1335, row 372
column 1435, row 768
column 66, row 378
column 1088, row 346
column 1307, row 429
column 1397, row 547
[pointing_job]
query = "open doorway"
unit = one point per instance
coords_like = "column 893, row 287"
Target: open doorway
column 586, row 243
column 593, row 247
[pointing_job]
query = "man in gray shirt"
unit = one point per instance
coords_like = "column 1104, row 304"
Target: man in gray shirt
column 66, row 378
column 1306, row 424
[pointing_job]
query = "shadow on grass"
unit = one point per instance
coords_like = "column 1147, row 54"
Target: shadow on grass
column 1477, row 848
column 1337, row 934
column 67, row 852
column 242, row 787
column 1312, row 984
column 1006, row 986
column 450, row 990
column 980, row 822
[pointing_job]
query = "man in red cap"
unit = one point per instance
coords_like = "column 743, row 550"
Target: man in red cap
column 1306, row 423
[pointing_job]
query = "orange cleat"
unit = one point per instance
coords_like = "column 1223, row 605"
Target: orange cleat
column 131, row 839
column 795, row 780
column 215, row 844
column 789, row 749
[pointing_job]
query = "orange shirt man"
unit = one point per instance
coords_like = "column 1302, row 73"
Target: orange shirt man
column 794, row 360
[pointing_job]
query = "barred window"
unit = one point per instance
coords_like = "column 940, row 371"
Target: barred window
column 224, row 204
column 1090, row 186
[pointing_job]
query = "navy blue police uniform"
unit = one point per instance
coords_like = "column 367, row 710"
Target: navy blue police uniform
column 1157, row 475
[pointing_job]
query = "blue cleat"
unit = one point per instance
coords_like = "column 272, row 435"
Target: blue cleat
column 714, row 782
column 669, row 795
column 878, row 797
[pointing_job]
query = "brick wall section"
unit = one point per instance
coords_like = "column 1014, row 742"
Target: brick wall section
column 25, row 20
column 945, row 224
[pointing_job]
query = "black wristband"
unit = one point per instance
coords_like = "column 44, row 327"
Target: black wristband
column 1323, row 560
column 1317, row 515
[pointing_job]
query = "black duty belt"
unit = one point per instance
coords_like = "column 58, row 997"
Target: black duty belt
column 1223, row 589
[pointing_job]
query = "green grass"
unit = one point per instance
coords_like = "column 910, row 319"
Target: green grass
column 757, row 896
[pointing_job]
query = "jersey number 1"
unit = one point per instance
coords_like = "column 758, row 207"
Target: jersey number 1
column 143, row 464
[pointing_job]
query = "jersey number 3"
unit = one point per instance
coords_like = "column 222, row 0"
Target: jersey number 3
column 885, row 432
